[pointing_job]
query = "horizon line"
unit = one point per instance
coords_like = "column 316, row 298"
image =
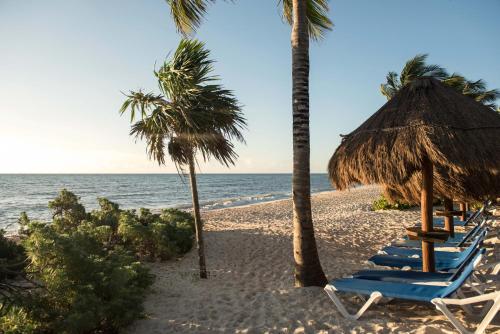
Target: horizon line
column 139, row 173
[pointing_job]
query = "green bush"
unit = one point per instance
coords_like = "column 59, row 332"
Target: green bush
column 157, row 235
column 86, row 287
column 383, row 204
column 85, row 265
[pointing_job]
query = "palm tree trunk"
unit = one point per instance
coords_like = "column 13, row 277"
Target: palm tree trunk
column 308, row 271
column 197, row 220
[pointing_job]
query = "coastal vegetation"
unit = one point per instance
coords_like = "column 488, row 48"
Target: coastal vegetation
column 193, row 116
column 383, row 203
column 82, row 272
column 309, row 20
column 417, row 67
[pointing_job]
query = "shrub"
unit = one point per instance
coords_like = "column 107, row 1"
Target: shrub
column 85, row 266
column 67, row 211
column 157, row 236
column 16, row 321
column 86, row 287
column 108, row 215
column 474, row 206
column 383, row 204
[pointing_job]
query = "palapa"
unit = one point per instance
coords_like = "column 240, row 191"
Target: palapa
column 427, row 141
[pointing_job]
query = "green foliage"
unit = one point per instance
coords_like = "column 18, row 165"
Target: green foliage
column 417, row 68
column 194, row 114
column 87, row 287
column 474, row 206
column 17, row 321
column 188, row 15
column 383, row 204
column 67, row 211
column 85, row 265
column 157, row 236
column 108, row 215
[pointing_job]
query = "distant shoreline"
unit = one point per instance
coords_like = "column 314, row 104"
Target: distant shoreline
column 30, row 193
column 231, row 173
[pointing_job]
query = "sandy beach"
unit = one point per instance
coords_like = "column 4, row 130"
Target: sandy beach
column 250, row 289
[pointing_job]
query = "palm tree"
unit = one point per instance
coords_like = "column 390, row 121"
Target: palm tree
column 413, row 69
column 417, row 67
column 192, row 116
column 309, row 20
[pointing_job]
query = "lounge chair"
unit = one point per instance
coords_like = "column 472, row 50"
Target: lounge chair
column 417, row 252
column 471, row 217
column 459, row 240
column 444, row 261
column 484, row 277
column 410, row 276
column 439, row 295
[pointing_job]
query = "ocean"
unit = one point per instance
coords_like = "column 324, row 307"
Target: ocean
column 32, row 192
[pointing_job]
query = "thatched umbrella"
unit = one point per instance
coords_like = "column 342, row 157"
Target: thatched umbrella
column 428, row 140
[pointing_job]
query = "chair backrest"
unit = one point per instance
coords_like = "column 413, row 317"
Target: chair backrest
column 472, row 257
column 472, row 232
column 463, row 273
column 469, row 251
column 476, row 214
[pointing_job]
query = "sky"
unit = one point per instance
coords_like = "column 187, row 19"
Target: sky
column 65, row 63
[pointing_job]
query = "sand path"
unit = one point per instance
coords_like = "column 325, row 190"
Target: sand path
column 249, row 255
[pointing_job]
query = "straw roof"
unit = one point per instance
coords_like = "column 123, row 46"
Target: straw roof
column 459, row 135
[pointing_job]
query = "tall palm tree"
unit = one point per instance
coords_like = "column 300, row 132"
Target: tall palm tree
column 192, row 116
column 417, row 67
column 309, row 20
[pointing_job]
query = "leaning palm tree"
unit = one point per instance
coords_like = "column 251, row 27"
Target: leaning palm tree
column 417, row 68
column 308, row 19
column 193, row 116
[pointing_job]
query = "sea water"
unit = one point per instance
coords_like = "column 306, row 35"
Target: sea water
column 32, row 192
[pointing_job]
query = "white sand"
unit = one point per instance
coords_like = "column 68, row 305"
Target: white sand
column 249, row 255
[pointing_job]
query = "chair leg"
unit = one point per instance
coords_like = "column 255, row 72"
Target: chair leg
column 441, row 305
column 374, row 298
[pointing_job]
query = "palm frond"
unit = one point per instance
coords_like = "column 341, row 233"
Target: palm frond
column 213, row 146
column 474, row 89
column 155, row 138
column 189, row 67
column 417, row 68
column 391, row 86
column 180, row 150
column 144, row 103
column 455, row 81
column 318, row 22
column 188, row 14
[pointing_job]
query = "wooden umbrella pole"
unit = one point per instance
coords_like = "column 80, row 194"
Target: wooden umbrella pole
column 449, row 226
column 463, row 208
column 428, row 261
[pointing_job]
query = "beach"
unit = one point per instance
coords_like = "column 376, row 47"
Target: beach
column 250, row 260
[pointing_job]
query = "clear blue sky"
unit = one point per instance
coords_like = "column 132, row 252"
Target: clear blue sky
column 64, row 63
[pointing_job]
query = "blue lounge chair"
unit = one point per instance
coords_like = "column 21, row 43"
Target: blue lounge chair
column 439, row 295
column 417, row 252
column 444, row 261
column 458, row 240
column 411, row 276
column 471, row 217
column 483, row 278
